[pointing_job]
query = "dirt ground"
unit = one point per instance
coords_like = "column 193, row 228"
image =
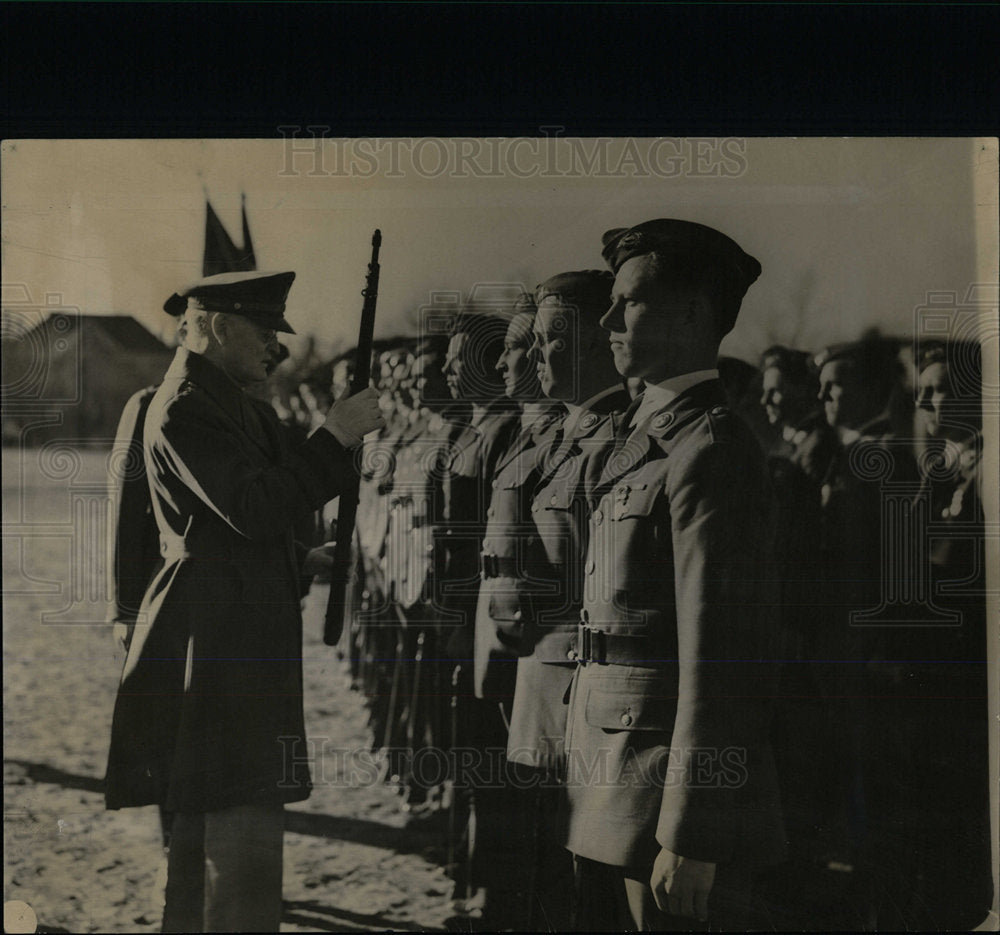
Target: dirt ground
column 353, row 859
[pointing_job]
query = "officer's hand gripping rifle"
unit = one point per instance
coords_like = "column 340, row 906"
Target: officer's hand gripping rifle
column 340, row 574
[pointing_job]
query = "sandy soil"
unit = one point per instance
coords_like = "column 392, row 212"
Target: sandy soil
column 353, row 859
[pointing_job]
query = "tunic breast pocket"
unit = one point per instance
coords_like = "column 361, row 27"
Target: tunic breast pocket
column 557, row 515
column 622, row 710
column 641, row 510
column 632, row 499
column 555, row 499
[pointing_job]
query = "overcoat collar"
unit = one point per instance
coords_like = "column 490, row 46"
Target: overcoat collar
column 195, row 368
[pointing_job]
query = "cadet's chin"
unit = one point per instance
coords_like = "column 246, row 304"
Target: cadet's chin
column 623, row 361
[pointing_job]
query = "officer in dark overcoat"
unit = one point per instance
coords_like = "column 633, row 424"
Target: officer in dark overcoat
column 670, row 777
column 208, row 720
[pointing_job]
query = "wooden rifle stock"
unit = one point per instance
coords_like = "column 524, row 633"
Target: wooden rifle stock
column 340, row 575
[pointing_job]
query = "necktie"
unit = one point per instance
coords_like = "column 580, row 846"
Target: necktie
column 624, row 428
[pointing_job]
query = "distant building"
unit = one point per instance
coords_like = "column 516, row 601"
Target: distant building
column 68, row 376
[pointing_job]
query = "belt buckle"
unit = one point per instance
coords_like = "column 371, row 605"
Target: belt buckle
column 489, row 565
column 592, row 647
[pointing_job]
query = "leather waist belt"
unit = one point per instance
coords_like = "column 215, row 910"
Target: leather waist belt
column 503, row 566
column 593, row 645
column 499, row 566
column 176, row 548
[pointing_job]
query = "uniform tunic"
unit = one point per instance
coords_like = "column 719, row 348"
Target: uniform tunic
column 467, row 468
column 512, row 582
column 556, row 549
column 209, row 709
column 667, row 737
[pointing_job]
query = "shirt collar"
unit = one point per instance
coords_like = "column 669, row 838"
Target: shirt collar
column 532, row 413
column 478, row 414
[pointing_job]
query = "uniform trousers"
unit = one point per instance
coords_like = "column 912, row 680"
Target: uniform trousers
column 224, row 870
column 548, row 887
column 619, row 899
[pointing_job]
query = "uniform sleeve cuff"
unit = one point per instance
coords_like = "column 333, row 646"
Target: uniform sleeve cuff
column 347, row 439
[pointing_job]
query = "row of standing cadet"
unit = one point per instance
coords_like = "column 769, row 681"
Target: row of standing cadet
column 880, row 732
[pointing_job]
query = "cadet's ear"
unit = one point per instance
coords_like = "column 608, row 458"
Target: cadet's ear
column 221, row 327
column 701, row 315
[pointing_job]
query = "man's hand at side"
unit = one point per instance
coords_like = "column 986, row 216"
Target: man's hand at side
column 681, row 885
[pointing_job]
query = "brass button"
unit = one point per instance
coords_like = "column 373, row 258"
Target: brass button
column 626, row 719
column 553, row 499
column 598, row 517
column 589, row 567
column 517, row 615
column 495, row 484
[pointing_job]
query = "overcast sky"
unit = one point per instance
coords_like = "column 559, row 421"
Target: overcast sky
column 850, row 233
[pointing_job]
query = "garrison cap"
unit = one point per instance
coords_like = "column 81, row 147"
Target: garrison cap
column 796, row 365
column 961, row 356
column 258, row 296
column 525, row 304
column 587, row 289
column 867, row 355
column 875, row 359
column 697, row 249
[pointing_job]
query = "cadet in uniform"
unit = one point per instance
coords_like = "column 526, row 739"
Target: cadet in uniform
column 417, row 507
column 803, row 720
column 507, row 848
column 483, row 432
column 858, row 382
column 932, row 736
column 213, row 678
column 537, row 614
column 510, row 485
column 670, row 777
